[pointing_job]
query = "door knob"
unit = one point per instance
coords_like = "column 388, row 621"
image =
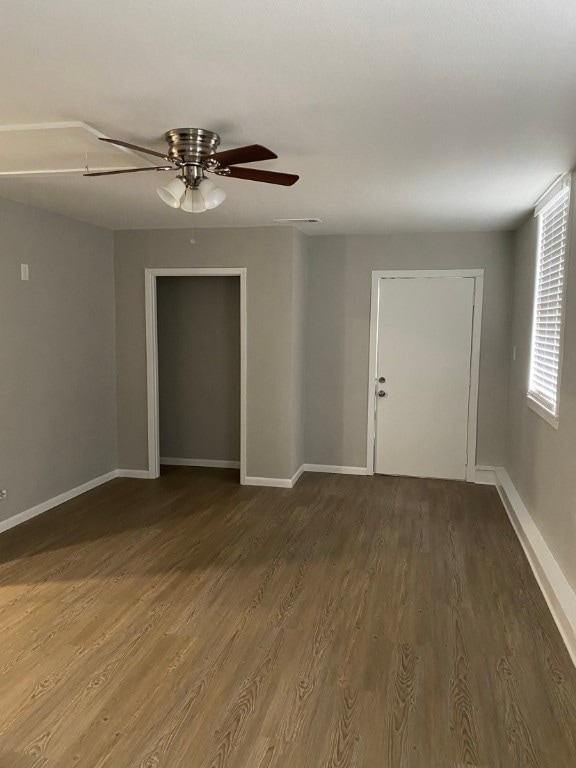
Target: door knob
column 381, row 393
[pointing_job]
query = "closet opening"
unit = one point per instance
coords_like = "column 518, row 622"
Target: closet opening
column 196, row 343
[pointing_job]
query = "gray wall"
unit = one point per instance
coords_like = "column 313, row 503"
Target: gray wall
column 308, row 320
column 199, row 367
column 57, row 387
column 542, row 460
column 338, row 323
column 299, row 350
column 267, row 253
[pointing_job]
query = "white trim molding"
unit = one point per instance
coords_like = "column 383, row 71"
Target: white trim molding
column 336, row 469
column 138, row 474
column 377, row 275
column 277, row 482
column 557, row 186
column 215, row 463
column 557, row 591
column 485, row 476
column 538, row 408
column 270, row 482
column 150, row 278
column 297, row 475
column 28, row 514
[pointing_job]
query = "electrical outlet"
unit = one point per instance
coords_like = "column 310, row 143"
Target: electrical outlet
column 24, row 272
column 3, row 493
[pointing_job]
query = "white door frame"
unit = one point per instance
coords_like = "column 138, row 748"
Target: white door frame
column 377, row 275
column 150, row 276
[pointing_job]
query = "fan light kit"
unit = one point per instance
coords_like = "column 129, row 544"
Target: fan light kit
column 192, row 153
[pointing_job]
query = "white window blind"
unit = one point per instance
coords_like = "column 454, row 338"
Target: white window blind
column 549, row 301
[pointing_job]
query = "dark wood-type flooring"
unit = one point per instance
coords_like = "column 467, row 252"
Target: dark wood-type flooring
column 352, row 621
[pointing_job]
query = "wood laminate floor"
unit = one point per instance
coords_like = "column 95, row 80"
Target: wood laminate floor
column 352, row 621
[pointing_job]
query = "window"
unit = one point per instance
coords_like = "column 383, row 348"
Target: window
column 546, row 353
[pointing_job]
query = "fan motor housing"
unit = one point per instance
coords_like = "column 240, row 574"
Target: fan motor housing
column 191, row 145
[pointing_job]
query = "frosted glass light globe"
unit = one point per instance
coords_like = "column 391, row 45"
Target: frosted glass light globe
column 173, row 192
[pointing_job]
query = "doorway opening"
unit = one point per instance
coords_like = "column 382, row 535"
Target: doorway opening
column 196, row 368
column 423, row 377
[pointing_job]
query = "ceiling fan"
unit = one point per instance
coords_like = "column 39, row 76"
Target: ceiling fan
column 192, row 152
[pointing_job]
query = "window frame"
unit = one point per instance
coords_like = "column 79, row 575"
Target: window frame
column 565, row 181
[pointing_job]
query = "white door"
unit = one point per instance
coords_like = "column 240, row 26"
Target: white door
column 424, row 351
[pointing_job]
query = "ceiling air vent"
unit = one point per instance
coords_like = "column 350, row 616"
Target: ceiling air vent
column 298, row 221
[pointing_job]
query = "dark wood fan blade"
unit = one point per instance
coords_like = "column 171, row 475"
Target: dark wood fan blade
column 132, row 170
column 269, row 177
column 250, row 154
column 135, row 147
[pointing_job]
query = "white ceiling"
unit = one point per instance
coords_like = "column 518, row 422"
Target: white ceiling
column 397, row 114
column 59, row 148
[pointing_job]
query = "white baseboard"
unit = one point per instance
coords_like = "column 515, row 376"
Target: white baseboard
column 335, row 469
column 217, row 463
column 485, row 476
column 277, row 482
column 556, row 590
column 270, row 482
column 267, row 482
column 28, row 514
column 140, row 474
column 297, row 475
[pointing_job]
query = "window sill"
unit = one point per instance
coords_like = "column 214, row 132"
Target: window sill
column 548, row 417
